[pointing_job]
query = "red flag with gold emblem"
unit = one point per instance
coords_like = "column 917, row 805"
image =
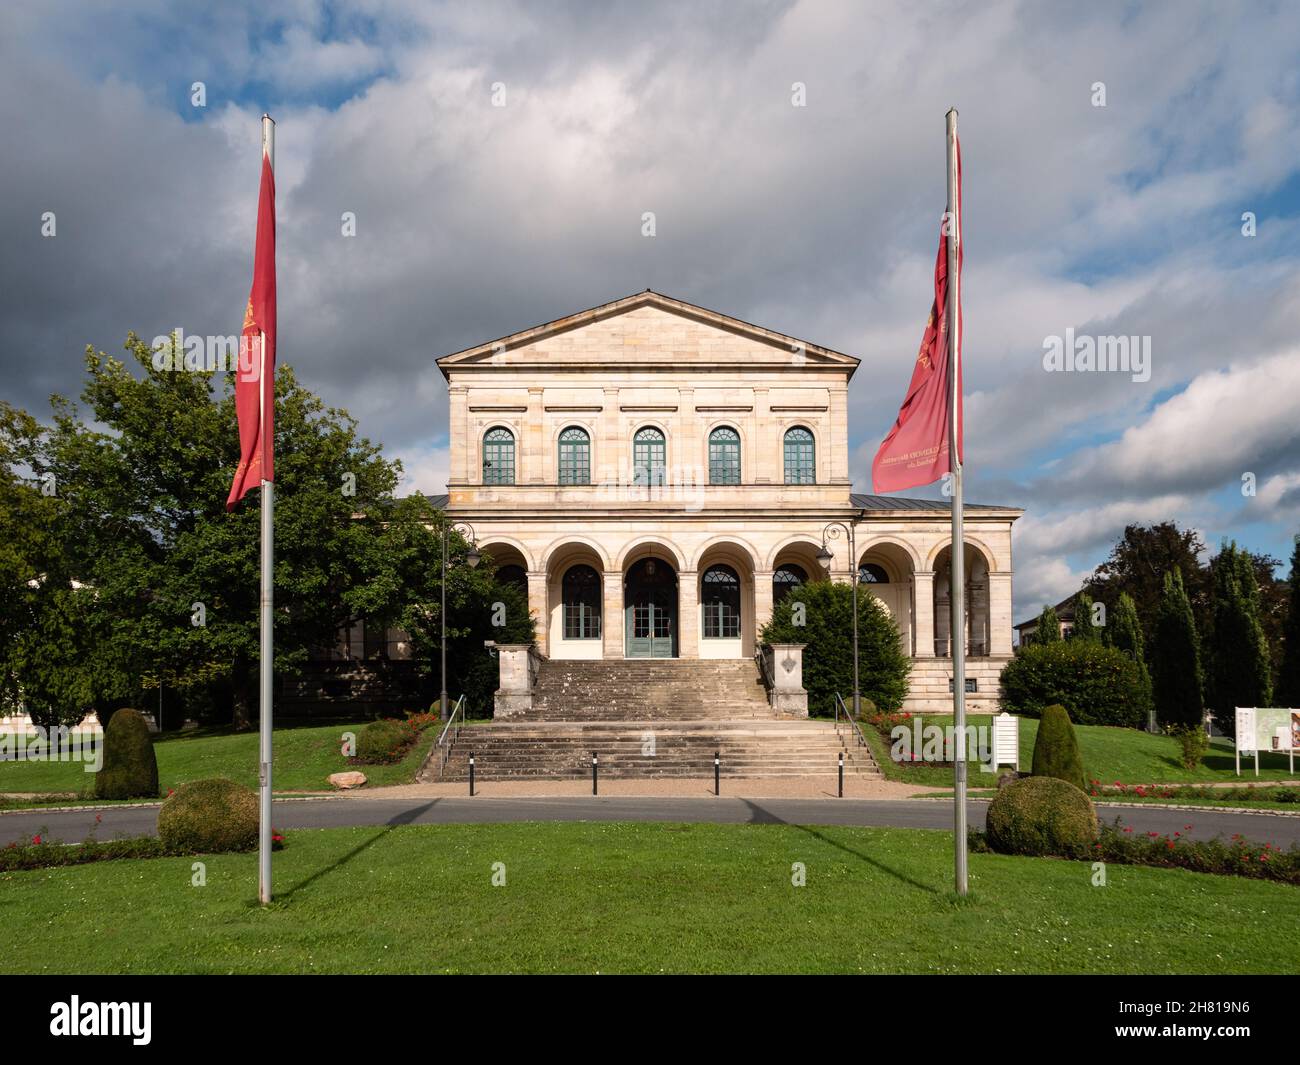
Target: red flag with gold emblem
column 916, row 451
column 255, row 377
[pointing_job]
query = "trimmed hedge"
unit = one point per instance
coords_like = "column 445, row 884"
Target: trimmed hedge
column 1056, row 749
column 209, row 817
column 1041, row 816
column 384, row 741
column 130, row 769
column 1097, row 685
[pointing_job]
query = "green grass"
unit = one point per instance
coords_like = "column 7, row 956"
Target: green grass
column 638, row 898
column 1109, row 754
column 304, row 758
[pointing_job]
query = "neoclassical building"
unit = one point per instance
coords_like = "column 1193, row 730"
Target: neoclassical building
column 657, row 475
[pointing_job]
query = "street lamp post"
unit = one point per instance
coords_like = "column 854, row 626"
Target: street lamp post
column 833, row 531
column 472, row 557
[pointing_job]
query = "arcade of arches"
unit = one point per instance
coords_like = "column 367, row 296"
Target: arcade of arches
column 657, row 598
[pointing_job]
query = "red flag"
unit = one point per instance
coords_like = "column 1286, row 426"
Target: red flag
column 916, row 450
column 255, row 379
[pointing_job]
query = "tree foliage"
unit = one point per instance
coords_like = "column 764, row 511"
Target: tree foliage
column 1240, row 667
column 145, row 578
column 1288, row 686
column 827, row 636
column 1176, row 674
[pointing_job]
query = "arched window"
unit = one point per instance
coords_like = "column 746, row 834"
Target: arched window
column 724, row 456
column 575, row 456
column 648, row 457
column 513, row 575
column 581, row 592
column 499, row 456
column 800, row 464
column 721, row 600
column 785, row 580
column 870, row 573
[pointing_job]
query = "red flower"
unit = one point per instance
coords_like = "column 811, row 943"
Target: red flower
column 170, row 793
column 36, row 840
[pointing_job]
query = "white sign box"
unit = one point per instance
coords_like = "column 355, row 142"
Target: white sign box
column 1271, row 728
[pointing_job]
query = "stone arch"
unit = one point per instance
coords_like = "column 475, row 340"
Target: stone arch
column 897, row 560
column 715, row 639
column 990, row 559
column 977, row 600
column 632, row 551
column 514, row 551
column 561, row 557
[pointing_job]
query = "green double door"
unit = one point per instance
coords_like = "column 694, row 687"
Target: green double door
column 650, row 610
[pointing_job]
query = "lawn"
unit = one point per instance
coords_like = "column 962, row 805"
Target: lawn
column 1109, row 755
column 304, row 758
column 638, row 898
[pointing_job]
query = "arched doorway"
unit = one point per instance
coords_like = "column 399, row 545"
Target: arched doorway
column 650, row 609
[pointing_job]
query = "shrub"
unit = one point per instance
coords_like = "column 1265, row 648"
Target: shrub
column 1097, row 685
column 383, row 742
column 209, row 817
column 827, row 636
column 1194, row 743
column 1056, row 750
column 1041, row 815
column 867, row 710
column 130, row 769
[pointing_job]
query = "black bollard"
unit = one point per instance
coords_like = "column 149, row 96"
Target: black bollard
column 841, row 774
column 471, row 773
column 593, row 772
column 717, row 772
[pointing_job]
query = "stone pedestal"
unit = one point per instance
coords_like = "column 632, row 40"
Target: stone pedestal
column 515, row 695
column 786, row 663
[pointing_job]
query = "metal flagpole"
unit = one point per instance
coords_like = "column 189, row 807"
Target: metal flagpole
column 267, row 642
column 957, row 582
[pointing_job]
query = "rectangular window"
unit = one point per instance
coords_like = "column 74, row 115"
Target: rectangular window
column 581, row 622
column 721, row 621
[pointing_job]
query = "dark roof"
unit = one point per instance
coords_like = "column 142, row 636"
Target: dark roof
column 865, row 502
column 1064, row 611
column 439, row 501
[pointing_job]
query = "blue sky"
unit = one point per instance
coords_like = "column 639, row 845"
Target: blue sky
column 475, row 221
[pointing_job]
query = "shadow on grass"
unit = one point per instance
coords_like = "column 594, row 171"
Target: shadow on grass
column 760, row 816
column 406, row 817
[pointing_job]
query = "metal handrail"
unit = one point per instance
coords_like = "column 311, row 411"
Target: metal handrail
column 450, row 733
column 856, row 728
column 765, row 670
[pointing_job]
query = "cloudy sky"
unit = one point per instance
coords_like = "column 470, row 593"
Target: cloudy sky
column 475, row 220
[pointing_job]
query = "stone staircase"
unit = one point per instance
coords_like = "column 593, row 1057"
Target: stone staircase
column 653, row 750
column 649, row 689
column 651, row 718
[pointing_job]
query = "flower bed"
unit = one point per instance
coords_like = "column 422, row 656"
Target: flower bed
column 1121, row 845
column 44, row 853
column 1245, row 793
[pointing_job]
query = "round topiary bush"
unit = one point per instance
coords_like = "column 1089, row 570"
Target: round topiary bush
column 1056, row 748
column 1041, row 815
column 209, row 817
column 130, row 770
column 383, row 742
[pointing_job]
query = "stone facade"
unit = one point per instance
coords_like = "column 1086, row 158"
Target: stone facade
column 657, row 445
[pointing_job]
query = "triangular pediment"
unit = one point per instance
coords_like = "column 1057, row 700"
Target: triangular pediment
column 647, row 329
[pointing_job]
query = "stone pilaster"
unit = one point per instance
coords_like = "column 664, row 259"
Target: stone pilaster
column 688, row 614
column 538, row 606
column 923, row 612
column 611, row 617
